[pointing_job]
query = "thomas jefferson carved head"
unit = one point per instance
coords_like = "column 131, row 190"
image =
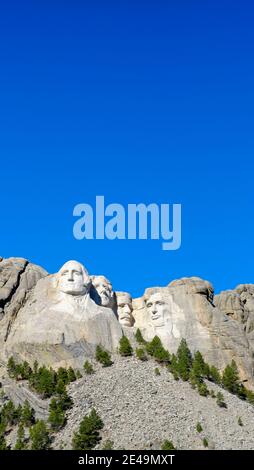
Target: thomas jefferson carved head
column 124, row 308
column 104, row 290
column 73, row 279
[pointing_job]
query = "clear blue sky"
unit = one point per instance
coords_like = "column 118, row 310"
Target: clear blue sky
column 139, row 101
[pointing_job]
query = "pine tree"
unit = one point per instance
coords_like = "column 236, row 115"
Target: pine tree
column 141, row 354
column 103, row 357
column 8, row 413
column 153, row 345
column 78, row 375
column 214, row 375
column 25, row 370
column 167, row 445
column 88, row 434
column 173, row 366
column 203, row 390
column 60, row 387
column 39, row 435
column 62, row 375
column 71, row 375
column 88, row 368
column 28, row 415
column 21, row 442
column 220, row 400
column 230, row 378
column 139, row 338
column 125, row 348
column 64, row 401
column 199, row 367
column 11, row 367
column 184, row 360
column 161, row 355
column 56, row 416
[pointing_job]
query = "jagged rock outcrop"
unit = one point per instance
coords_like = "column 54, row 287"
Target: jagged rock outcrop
column 59, row 319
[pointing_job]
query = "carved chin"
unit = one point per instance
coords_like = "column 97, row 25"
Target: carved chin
column 125, row 321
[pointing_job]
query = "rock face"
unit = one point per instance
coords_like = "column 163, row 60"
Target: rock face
column 59, row 319
column 185, row 309
column 239, row 305
column 60, row 324
column 17, row 279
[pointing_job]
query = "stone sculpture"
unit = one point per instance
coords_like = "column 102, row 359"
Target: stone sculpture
column 103, row 291
column 124, row 309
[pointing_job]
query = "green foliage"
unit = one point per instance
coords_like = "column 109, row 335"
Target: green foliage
column 41, row 379
column 153, row 345
column 40, row 437
column 108, row 445
column 88, row 368
column 155, row 349
column 56, row 416
column 44, row 381
column 78, row 374
column 203, row 390
column 18, row 371
column 3, row 444
column 88, row 435
column 103, row 356
column 250, row 396
column 184, row 360
column 220, row 400
column 167, row 445
column 214, row 375
column 60, row 388
column 21, row 442
column 62, row 376
column 11, row 367
column 10, row 414
column 141, row 354
column 205, row 442
column 230, row 378
column 71, row 375
column 199, row 427
column 157, row 371
column 125, row 348
column 199, row 367
column 28, row 415
column 240, row 421
column 173, row 366
column 139, row 337
column 161, row 355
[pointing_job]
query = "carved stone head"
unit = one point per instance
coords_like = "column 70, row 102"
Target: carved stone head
column 104, row 290
column 124, row 308
column 157, row 309
column 73, row 279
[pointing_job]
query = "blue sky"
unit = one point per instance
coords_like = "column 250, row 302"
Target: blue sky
column 139, row 102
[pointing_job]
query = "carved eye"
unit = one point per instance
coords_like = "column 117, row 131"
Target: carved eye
column 149, row 305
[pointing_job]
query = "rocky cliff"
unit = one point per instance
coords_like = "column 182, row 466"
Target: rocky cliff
column 59, row 319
